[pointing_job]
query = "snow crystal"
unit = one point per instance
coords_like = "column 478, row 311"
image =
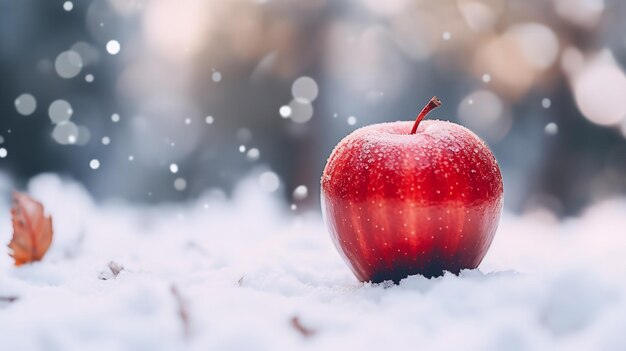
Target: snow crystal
column 174, row 168
column 285, row 111
column 3, row 152
column 94, row 164
column 68, row 6
column 113, row 47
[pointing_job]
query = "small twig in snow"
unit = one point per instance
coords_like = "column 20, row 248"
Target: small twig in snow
column 8, row 299
column 183, row 311
column 304, row 331
column 114, row 269
column 240, row 281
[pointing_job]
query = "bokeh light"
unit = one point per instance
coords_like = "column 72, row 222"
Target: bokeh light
column 25, row 104
column 65, row 133
column 94, row 164
column 304, row 90
column 600, row 91
column 269, row 181
column 60, row 111
column 113, row 47
column 485, row 113
column 301, row 111
column 68, row 64
column 160, row 83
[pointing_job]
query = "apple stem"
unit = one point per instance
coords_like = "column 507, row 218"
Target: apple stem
column 432, row 104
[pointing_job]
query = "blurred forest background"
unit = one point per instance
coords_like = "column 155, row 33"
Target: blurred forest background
column 159, row 100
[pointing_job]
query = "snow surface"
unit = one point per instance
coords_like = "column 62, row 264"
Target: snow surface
column 242, row 269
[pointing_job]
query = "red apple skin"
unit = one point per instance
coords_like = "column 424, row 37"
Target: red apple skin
column 398, row 204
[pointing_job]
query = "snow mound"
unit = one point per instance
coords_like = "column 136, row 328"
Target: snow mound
column 246, row 275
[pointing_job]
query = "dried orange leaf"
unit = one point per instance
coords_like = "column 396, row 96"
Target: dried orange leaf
column 32, row 230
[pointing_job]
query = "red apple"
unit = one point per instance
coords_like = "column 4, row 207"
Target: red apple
column 400, row 201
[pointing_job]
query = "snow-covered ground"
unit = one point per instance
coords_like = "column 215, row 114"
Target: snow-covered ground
column 217, row 275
